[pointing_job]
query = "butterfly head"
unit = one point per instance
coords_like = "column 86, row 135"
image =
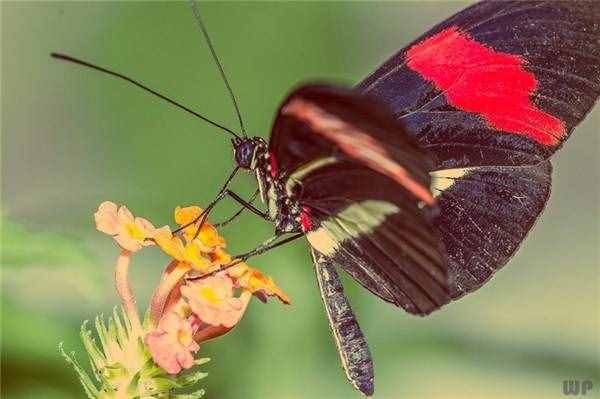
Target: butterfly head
column 248, row 150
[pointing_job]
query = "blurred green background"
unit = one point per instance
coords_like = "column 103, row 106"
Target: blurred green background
column 72, row 138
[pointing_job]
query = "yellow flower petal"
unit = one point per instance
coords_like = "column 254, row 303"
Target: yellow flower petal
column 210, row 237
column 134, row 231
column 220, row 257
column 256, row 282
column 192, row 253
column 238, row 271
column 187, row 215
column 265, row 284
column 170, row 244
column 210, row 295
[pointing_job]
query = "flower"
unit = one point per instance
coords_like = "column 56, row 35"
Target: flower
column 172, row 345
column 187, row 214
column 208, row 238
column 131, row 233
column 254, row 281
column 212, row 300
column 169, row 243
column 202, row 243
column 220, row 257
column 191, row 253
column 194, row 301
column 122, row 365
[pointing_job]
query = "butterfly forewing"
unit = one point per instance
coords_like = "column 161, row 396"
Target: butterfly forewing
column 500, row 83
column 317, row 122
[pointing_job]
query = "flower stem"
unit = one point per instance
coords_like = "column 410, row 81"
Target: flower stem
column 125, row 293
column 173, row 273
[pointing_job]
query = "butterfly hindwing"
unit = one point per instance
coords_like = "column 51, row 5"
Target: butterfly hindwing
column 485, row 213
column 376, row 231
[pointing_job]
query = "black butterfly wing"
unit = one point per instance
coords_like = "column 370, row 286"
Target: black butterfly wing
column 319, row 121
column 349, row 339
column 497, row 87
column 485, row 214
column 376, row 231
column 364, row 189
column 500, row 83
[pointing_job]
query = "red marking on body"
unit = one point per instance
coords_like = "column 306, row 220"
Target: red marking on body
column 357, row 144
column 307, row 224
column 273, row 163
column 478, row 79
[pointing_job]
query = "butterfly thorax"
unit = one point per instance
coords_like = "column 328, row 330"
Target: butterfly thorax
column 284, row 210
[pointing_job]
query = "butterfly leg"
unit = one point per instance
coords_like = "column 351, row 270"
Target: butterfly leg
column 204, row 214
column 225, row 192
column 238, row 213
column 268, row 245
column 247, row 205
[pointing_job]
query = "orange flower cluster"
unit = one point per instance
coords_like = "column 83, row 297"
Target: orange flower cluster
column 186, row 311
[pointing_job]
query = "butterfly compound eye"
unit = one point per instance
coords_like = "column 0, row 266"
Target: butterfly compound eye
column 244, row 153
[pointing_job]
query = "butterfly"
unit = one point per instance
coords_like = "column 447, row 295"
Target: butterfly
column 422, row 180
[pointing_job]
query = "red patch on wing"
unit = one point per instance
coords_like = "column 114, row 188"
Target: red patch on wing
column 478, row 79
column 273, row 163
column 307, row 224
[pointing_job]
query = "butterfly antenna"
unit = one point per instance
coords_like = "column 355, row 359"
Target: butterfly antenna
column 202, row 27
column 74, row 60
